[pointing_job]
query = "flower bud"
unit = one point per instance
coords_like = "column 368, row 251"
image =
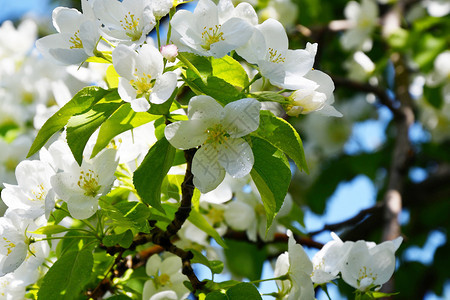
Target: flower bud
column 169, row 52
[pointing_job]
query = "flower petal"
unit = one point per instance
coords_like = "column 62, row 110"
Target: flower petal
column 186, row 134
column 204, row 107
column 163, row 88
column 236, row 156
column 140, row 105
column 241, row 117
column 208, row 173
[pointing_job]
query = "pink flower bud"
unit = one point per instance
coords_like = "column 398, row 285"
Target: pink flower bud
column 169, row 52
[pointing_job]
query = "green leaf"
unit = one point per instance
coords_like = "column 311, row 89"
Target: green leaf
column 216, row 296
column 50, row 229
column 150, row 174
column 123, row 119
column 68, row 275
column 123, row 239
column 215, row 87
column 216, row 266
column 243, row 291
column 229, row 70
column 81, row 102
column 198, row 220
column 282, row 135
column 245, row 259
column 81, row 127
column 433, row 96
column 112, row 78
column 127, row 215
column 272, row 176
column 201, row 63
column 165, row 107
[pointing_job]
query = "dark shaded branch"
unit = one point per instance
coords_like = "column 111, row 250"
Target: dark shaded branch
column 381, row 94
column 278, row 238
column 352, row 222
column 187, row 191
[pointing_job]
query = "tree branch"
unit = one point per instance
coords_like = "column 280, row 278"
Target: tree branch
column 352, row 222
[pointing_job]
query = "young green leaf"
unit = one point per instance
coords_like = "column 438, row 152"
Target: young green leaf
column 123, row 119
column 150, row 174
column 81, row 102
column 230, row 70
column 198, row 220
column 68, row 275
column 283, row 136
column 82, row 126
column 272, row 176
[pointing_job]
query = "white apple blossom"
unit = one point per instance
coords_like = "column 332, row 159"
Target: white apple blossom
column 81, row 186
column 319, row 99
column 248, row 214
column 127, row 21
column 77, row 37
column 142, row 79
column 296, row 265
column 327, row 263
column 363, row 18
column 441, row 75
column 359, row 66
column 368, row 265
column 219, row 131
column 10, row 288
column 12, row 154
column 284, row 11
column 268, row 48
column 437, row 8
column 165, row 275
column 15, row 43
column 161, row 8
column 32, row 190
column 213, row 30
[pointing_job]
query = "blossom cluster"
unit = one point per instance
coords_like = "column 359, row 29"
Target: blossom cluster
column 147, row 75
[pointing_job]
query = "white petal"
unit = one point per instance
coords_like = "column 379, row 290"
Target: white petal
column 241, row 117
column 67, row 19
column 208, row 173
column 246, row 11
column 69, row 56
column 204, row 107
column 153, row 265
column 236, row 157
column 255, row 49
column 140, row 105
column 298, row 62
column 239, row 215
column 82, row 206
column 206, row 14
column 124, row 61
column 186, row 134
column 274, row 35
column 126, row 91
column 163, row 88
column 236, row 33
column 171, row 265
column 149, row 61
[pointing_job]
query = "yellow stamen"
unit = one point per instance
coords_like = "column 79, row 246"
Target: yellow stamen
column 211, row 35
column 88, row 181
column 76, row 41
column 275, row 57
